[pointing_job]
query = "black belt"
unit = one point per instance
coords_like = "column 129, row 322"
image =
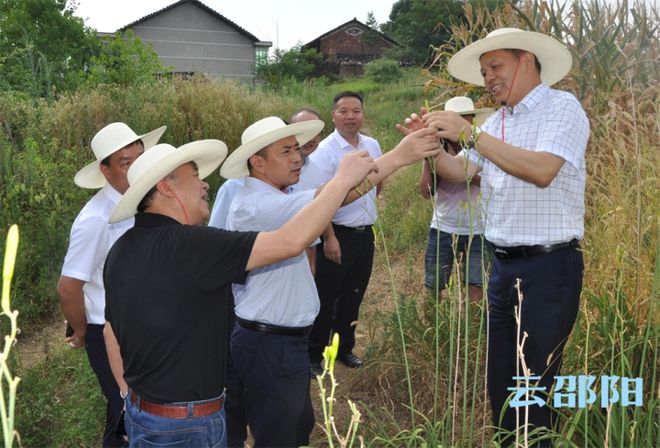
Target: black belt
column 358, row 229
column 273, row 329
column 515, row 252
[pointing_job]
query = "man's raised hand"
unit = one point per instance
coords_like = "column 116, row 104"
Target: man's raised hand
column 355, row 167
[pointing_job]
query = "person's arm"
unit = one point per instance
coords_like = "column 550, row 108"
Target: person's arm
column 426, row 183
column 72, row 302
column 331, row 247
column 412, row 148
column 114, row 357
column 311, row 257
column 301, row 230
column 539, row 168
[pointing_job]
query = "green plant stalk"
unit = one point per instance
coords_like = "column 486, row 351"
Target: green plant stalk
column 355, row 422
column 400, row 325
column 650, row 326
column 7, row 415
column 329, row 356
column 466, row 284
column 475, row 380
column 436, row 289
column 586, row 372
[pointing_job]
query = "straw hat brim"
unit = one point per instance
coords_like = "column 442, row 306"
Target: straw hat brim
column 236, row 164
column 91, row 176
column 207, row 154
column 480, row 115
column 554, row 57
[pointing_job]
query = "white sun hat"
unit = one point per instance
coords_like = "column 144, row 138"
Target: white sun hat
column 261, row 134
column 463, row 105
column 554, row 57
column 161, row 160
column 108, row 141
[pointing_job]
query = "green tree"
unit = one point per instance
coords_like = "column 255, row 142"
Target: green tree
column 124, row 60
column 294, row 63
column 44, row 47
column 419, row 24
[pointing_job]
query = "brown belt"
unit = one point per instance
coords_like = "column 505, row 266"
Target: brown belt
column 174, row 411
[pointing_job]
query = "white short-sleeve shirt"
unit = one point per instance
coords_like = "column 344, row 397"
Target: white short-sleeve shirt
column 455, row 212
column 89, row 243
column 223, row 199
column 326, row 160
column 518, row 212
column 282, row 293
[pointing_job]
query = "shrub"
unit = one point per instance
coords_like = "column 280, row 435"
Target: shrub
column 383, row 71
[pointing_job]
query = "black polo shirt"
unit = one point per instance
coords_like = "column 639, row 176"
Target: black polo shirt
column 167, row 287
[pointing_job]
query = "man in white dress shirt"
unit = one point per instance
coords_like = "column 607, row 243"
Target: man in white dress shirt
column 80, row 287
column 277, row 304
column 530, row 155
column 343, row 266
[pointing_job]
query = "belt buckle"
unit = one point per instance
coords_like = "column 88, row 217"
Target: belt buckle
column 360, row 229
column 501, row 253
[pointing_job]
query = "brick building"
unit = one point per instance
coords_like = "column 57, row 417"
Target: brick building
column 347, row 48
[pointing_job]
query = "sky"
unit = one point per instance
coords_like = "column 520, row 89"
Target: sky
column 285, row 23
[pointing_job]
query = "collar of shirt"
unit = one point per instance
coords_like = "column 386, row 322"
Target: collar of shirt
column 342, row 143
column 258, row 184
column 154, row 220
column 530, row 100
column 111, row 193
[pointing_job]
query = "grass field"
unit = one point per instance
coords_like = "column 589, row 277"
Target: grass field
column 424, row 382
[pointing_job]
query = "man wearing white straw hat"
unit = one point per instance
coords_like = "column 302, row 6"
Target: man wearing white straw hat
column 167, row 281
column 530, row 156
column 277, row 305
column 236, row 418
column 456, row 230
column 80, row 286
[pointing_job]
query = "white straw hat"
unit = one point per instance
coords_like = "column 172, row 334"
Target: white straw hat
column 463, row 105
column 554, row 57
column 261, row 134
column 108, row 141
column 160, row 161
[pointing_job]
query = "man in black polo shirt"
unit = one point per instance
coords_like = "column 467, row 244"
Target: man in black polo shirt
column 167, row 282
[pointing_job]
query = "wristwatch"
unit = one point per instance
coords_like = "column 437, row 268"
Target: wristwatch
column 472, row 141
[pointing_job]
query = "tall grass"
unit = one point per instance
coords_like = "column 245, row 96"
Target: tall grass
column 424, row 385
column 615, row 75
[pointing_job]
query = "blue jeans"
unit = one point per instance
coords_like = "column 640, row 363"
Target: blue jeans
column 439, row 258
column 148, row 430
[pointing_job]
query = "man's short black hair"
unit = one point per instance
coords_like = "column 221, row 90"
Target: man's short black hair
column 346, row 94
column 106, row 161
column 146, row 200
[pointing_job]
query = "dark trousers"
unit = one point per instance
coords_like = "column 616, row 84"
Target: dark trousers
column 98, row 359
column 275, row 372
column 341, row 289
column 551, row 285
column 235, row 399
